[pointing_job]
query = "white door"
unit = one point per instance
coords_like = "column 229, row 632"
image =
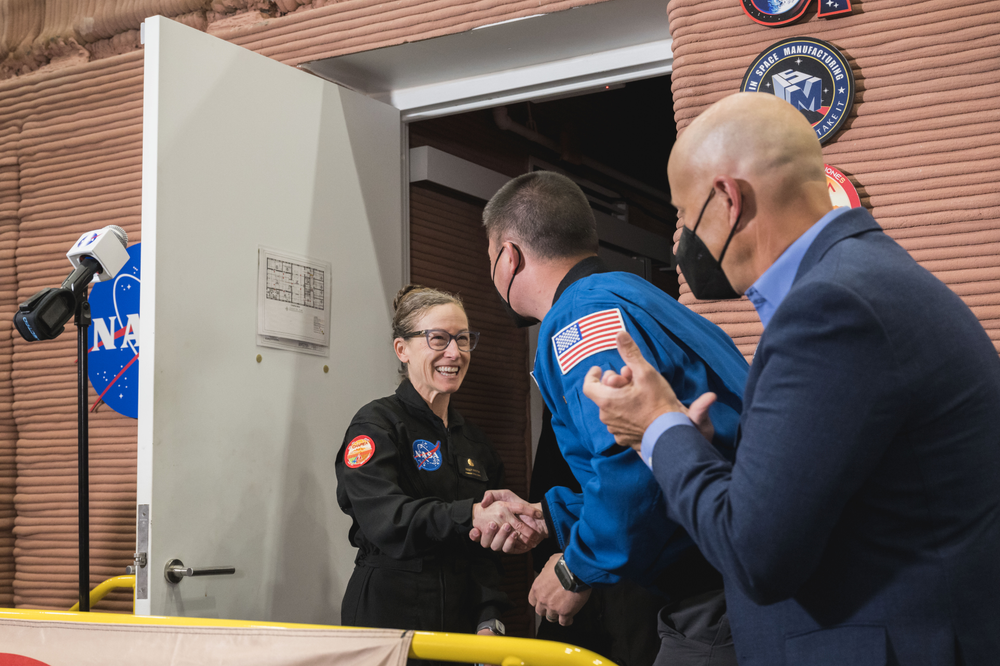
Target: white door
column 236, row 454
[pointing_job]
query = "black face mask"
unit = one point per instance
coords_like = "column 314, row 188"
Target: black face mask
column 519, row 320
column 702, row 271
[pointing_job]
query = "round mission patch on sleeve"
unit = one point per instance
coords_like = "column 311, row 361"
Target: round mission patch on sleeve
column 359, row 451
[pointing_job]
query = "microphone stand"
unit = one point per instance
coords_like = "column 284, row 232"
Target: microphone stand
column 42, row 317
column 78, row 282
column 82, row 320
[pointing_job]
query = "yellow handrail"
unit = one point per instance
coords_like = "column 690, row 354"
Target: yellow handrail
column 425, row 645
column 104, row 589
column 504, row 650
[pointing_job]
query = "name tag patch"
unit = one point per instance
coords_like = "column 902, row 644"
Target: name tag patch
column 472, row 468
column 427, row 455
column 359, row 451
column 587, row 336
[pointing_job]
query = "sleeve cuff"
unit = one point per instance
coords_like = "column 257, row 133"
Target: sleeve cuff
column 549, row 523
column 663, row 423
column 461, row 512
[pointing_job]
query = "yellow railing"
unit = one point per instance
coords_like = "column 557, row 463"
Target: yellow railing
column 105, row 588
column 467, row 648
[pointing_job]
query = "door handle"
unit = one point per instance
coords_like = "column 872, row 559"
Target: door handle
column 175, row 571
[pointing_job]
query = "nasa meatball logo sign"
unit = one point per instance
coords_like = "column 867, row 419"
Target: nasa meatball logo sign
column 780, row 12
column 811, row 75
column 113, row 358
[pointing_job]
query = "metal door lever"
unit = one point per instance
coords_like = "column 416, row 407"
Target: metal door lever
column 175, row 571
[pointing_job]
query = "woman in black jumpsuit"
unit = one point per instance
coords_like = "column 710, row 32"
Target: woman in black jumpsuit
column 408, row 474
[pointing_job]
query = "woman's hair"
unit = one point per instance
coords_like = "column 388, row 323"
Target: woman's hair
column 410, row 304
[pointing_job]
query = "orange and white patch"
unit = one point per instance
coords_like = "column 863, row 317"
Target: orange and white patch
column 359, row 451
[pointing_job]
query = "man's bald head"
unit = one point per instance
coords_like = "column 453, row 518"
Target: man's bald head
column 752, row 136
column 762, row 159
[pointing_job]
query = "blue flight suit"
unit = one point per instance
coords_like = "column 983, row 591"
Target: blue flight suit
column 618, row 526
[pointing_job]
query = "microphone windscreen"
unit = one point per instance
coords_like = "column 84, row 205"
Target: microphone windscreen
column 120, row 233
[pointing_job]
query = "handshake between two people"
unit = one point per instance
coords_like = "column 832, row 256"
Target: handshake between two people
column 504, row 521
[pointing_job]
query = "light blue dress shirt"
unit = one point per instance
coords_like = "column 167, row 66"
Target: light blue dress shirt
column 766, row 295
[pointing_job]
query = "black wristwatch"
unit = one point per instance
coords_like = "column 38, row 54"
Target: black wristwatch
column 567, row 579
column 496, row 626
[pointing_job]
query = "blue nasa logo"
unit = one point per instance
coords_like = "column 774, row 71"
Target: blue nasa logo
column 113, row 358
column 811, row 75
column 427, row 455
column 773, row 13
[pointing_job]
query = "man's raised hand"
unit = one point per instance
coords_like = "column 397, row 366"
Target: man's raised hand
column 632, row 400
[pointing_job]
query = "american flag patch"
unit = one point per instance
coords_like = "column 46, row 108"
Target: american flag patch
column 587, row 336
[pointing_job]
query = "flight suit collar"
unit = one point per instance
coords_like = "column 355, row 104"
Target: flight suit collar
column 415, row 404
column 582, row 269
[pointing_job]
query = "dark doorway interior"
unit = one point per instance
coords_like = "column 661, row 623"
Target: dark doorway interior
column 630, row 128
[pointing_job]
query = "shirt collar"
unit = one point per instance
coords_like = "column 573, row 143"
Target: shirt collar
column 771, row 288
column 416, row 404
column 582, row 269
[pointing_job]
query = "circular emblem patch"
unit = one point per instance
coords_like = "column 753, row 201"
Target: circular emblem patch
column 842, row 191
column 811, row 75
column 113, row 357
column 359, row 451
column 427, row 455
column 774, row 12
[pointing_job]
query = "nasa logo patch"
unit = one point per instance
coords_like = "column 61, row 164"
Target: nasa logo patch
column 811, row 75
column 359, row 451
column 427, row 455
column 842, row 191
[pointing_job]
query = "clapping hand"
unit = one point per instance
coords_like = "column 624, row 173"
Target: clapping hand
column 629, row 402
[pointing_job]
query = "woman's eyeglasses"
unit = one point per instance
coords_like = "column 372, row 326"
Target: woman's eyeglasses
column 438, row 339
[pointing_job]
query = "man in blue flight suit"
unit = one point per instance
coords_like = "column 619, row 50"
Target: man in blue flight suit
column 543, row 253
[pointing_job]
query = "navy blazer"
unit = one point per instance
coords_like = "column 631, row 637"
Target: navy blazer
column 860, row 523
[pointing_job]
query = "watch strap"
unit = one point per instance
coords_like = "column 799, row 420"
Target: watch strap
column 567, row 578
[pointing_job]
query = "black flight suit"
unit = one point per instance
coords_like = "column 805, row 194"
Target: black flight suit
column 411, row 503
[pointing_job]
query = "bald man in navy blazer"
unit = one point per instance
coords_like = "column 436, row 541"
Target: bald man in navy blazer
column 860, row 522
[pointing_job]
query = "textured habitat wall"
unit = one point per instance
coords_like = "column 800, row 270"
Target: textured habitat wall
column 922, row 144
column 75, row 139
column 70, row 161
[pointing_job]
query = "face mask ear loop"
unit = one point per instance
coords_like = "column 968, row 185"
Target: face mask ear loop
column 511, row 283
column 732, row 232
column 496, row 263
column 703, row 207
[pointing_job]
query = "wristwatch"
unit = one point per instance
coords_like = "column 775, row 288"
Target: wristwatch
column 496, row 626
column 567, row 579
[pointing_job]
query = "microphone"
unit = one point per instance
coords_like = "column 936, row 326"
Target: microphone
column 106, row 246
column 96, row 256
